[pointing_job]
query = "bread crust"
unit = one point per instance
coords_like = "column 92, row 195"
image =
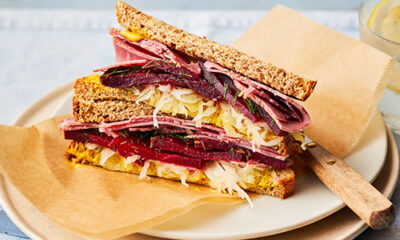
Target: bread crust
column 226, row 56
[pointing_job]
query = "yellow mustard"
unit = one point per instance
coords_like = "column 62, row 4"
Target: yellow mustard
column 134, row 35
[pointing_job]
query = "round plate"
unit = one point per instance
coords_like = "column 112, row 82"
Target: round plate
column 343, row 224
column 311, row 202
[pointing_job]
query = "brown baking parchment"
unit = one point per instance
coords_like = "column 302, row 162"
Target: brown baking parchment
column 351, row 75
column 90, row 201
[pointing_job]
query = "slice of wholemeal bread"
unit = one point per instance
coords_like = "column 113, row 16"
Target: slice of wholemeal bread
column 278, row 183
column 229, row 57
column 94, row 102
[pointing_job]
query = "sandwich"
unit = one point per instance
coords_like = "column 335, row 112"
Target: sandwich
column 181, row 107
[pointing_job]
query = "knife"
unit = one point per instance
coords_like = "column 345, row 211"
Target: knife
column 356, row 192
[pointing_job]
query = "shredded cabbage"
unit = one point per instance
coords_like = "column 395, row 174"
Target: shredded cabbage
column 105, row 154
column 131, row 159
column 177, row 100
column 146, row 93
column 163, row 100
column 165, row 88
column 209, row 110
column 183, row 172
column 91, row 146
column 143, row 172
column 186, row 95
column 224, row 177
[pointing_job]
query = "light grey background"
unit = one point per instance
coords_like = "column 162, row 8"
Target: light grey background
column 187, row 4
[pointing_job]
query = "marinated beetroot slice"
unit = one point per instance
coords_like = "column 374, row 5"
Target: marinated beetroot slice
column 179, row 160
column 141, row 78
column 272, row 124
column 88, row 135
column 171, row 75
column 204, row 88
column 171, row 68
column 227, row 80
column 121, row 145
column 177, row 146
column 146, row 122
column 129, row 145
column 205, row 143
column 168, row 149
column 269, row 161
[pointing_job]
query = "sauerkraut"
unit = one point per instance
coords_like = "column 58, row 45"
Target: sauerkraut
column 185, row 101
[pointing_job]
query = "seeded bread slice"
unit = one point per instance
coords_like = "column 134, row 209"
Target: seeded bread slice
column 227, row 56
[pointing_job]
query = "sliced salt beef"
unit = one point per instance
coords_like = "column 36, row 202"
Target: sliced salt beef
column 289, row 115
column 127, row 50
column 146, row 121
column 70, row 124
column 206, row 132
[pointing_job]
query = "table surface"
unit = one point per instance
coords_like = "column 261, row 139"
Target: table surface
column 41, row 49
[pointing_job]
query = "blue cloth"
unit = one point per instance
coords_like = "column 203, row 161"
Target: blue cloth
column 43, row 49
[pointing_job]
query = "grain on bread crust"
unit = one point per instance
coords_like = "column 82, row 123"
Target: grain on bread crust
column 226, row 56
column 107, row 110
column 284, row 189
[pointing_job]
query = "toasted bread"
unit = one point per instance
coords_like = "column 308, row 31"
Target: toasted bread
column 227, row 56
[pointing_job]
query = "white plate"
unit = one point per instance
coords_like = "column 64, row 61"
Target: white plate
column 311, row 202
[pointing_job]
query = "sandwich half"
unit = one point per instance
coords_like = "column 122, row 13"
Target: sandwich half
column 181, row 107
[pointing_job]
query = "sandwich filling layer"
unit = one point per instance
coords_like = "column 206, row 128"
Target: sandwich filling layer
column 199, row 122
column 224, row 176
column 176, row 101
column 205, row 153
column 148, row 62
column 173, row 136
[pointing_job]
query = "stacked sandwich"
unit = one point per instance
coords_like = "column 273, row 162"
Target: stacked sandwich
column 181, row 107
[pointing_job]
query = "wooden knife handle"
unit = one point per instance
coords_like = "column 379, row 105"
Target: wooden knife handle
column 357, row 193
